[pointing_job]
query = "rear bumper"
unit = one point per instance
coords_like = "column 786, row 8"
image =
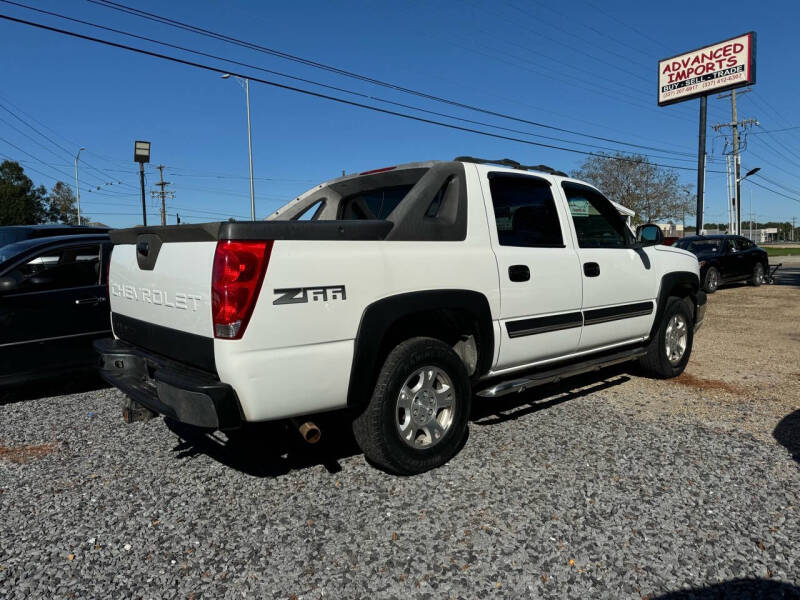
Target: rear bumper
column 168, row 388
column 700, row 312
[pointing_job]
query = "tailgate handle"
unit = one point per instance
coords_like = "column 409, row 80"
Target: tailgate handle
column 519, row 273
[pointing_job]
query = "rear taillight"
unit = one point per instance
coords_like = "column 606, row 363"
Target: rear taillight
column 239, row 268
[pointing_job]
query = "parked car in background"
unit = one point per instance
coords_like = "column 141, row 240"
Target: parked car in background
column 726, row 258
column 53, row 304
column 17, row 233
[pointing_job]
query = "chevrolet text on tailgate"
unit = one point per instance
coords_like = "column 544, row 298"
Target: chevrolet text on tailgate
column 397, row 294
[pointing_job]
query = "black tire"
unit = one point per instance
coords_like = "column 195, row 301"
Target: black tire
column 757, row 278
column 711, row 282
column 376, row 429
column 656, row 363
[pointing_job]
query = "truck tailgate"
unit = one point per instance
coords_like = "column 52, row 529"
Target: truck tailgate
column 171, row 289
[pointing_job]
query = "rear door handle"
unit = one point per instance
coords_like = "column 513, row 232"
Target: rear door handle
column 519, row 273
column 84, row 301
column 591, row 269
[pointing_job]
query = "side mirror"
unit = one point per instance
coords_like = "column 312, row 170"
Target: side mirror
column 649, row 234
column 8, row 284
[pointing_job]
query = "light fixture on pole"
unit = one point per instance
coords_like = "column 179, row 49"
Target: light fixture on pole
column 750, row 172
column 77, row 188
column 141, row 154
column 246, row 84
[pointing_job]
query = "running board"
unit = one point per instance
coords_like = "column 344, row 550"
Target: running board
column 559, row 373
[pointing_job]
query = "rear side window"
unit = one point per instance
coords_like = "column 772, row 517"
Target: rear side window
column 524, row 211
column 60, row 268
column 597, row 222
column 374, row 204
column 311, row 213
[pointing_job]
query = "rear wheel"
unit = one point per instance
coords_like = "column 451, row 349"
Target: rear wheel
column 417, row 417
column 711, row 282
column 671, row 345
column 757, row 277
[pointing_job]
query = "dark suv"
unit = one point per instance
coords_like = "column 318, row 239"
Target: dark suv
column 10, row 234
column 726, row 258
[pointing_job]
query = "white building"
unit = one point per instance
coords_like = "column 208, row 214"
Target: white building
column 759, row 236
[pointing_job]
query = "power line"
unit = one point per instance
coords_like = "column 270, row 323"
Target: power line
column 320, row 95
column 775, row 191
column 284, row 55
column 366, row 96
column 49, row 139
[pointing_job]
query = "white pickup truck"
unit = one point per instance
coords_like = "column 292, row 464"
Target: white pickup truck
column 398, row 293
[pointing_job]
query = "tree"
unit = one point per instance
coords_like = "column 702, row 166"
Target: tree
column 61, row 205
column 632, row 180
column 20, row 202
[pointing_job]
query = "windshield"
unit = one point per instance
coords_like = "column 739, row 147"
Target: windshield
column 700, row 246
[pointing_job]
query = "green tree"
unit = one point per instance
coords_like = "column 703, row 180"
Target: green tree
column 61, row 205
column 654, row 192
column 20, row 202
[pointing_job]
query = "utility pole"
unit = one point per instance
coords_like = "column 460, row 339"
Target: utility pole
column 163, row 194
column 793, row 226
column 737, row 160
column 77, row 185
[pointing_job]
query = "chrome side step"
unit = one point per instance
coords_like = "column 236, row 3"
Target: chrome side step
column 557, row 374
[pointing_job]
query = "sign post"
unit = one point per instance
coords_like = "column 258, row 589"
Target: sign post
column 722, row 66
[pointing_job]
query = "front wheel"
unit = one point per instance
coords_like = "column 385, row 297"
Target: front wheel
column 671, row 345
column 417, row 417
column 758, row 275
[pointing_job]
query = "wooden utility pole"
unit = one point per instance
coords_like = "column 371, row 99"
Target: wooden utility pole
column 163, row 194
column 737, row 160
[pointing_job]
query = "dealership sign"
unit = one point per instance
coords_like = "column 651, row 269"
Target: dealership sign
column 722, row 66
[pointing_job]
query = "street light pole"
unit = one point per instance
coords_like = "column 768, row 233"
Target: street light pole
column 246, row 83
column 77, row 188
column 250, row 153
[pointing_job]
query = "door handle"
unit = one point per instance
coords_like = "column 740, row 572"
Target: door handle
column 591, row 269
column 519, row 273
column 85, row 301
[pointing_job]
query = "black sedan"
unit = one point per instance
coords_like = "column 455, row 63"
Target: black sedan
column 726, row 258
column 53, row 304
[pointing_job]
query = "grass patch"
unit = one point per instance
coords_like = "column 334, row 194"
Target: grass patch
column 781, row 251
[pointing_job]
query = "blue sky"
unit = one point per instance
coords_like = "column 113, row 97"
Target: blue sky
column 582, row 65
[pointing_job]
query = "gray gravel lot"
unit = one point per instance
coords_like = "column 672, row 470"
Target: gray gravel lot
column 560, row 494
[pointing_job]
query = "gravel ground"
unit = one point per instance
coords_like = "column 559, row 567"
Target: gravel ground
column 606, row 487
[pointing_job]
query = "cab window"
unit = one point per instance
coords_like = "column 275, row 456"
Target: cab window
column 597, row 222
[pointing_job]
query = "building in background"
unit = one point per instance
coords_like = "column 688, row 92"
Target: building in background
column 671, row 230
column 759, row 236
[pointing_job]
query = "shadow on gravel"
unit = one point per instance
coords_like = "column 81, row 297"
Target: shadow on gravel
column 737, row 589
column 56, row 386
column 486, row 411
column 270, row 449
column 787, row 433
column 274, row 449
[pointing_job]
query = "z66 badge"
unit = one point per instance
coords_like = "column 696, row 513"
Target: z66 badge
column 317, row 293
